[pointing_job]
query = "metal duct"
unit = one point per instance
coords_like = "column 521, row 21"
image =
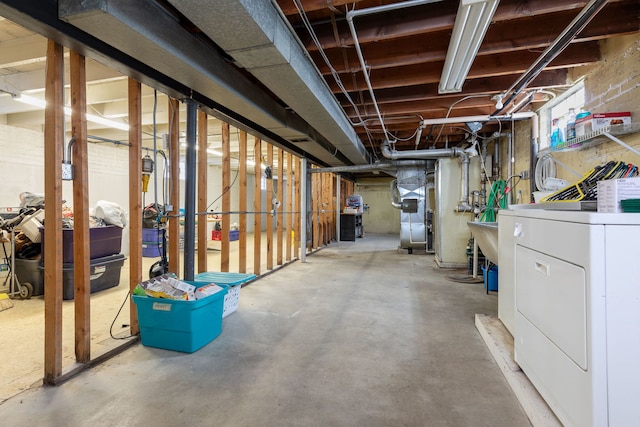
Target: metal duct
column 144, row 30
column 411, row 185
column 268, row 48
column 386, row 166
column 463, row 205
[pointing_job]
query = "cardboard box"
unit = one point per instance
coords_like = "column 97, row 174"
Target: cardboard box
column 597, row 121
column 611, row 191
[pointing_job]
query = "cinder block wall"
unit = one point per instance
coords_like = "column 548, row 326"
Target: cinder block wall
column 611, row 85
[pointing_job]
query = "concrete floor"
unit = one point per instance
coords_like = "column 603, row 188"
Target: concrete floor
column 359, row 335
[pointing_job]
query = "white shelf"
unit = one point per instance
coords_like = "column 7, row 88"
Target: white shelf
column 594, row 138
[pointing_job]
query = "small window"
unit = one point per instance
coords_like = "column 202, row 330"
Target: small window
column 559, row 108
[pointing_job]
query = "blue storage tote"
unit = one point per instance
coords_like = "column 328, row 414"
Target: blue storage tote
column 490, row 278
column 180, row 325
column 233, row 281
column 151, row 242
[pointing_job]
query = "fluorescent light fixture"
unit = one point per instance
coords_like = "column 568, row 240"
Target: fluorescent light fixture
column 29, row 100
column 472, row 22
column 209, row 150
column 41, row 103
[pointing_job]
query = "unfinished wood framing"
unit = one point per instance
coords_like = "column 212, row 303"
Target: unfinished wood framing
column 298, row 200
column 242, row 203
column 226, row 197
column 270, row 210
column 280, row 215
column 81, row 249
column 202, row 191
column 53, row 146
column 289, row 209
column 135, row 195
column 315, row 201
column 174, row 185
column 257, row 206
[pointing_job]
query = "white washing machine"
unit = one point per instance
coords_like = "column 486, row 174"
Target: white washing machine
column 577, row 312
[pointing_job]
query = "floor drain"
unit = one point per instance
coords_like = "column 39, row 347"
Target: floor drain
column 465, row 279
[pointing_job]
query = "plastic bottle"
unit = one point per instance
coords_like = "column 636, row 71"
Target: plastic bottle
column 571, row 124
column 557, row 136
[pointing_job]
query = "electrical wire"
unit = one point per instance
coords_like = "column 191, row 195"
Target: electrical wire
column 116, row 318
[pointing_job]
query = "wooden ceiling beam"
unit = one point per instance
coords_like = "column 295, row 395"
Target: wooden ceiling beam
column 521, row 34
column 546, row 79
column 483, row 67
column 427, row 19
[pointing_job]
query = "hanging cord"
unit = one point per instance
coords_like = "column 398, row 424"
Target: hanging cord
column 116, row 318
column 545, row 168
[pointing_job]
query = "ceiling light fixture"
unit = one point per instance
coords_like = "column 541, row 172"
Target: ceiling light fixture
column 472, row 22
column 41, row 103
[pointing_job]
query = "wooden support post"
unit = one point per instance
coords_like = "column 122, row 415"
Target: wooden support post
column 298, row 201
column 174, row 185
column 226, row 197
column 334, row 207
column 53, row 146
column 81, row 268
column 270, row 210
column 242, row 203
column 203, row 168
column 316, row 209
column 279, row 215
column 325, row 207
column 289, row 209
column 135, row 196
column 257, row 206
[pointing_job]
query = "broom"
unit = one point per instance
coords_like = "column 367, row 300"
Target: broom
column 5, row 302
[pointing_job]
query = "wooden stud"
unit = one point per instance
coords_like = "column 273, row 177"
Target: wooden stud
column 53, row 146
column 298, row 201
column 242, row 203
column 203, row 168
column 279, row 215
column 289, row 209
column 257, row 206
column 334, row 207
column 316, row 209
column 81, row 268
column 135, row 196
column 270, row 210
column 174, row 184
column 226, row 197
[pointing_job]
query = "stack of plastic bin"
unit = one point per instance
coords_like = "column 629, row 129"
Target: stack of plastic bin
column 106, row 261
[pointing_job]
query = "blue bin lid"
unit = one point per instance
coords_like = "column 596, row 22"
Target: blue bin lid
column 221, row 278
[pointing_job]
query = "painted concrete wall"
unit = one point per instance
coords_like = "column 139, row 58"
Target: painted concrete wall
column 381, row 216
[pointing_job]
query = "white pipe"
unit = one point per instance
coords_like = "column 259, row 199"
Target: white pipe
column 389, row 7
column 364, row 72
column 378, row 9
column 449, row 120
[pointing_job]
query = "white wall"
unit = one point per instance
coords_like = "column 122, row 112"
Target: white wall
column 23, row 170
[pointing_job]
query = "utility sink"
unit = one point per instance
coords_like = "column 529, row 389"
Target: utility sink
column 486, row 234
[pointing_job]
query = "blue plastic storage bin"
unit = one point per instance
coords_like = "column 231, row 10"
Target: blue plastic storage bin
column 151, row 242
column 177, row 325
column 490, row 278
